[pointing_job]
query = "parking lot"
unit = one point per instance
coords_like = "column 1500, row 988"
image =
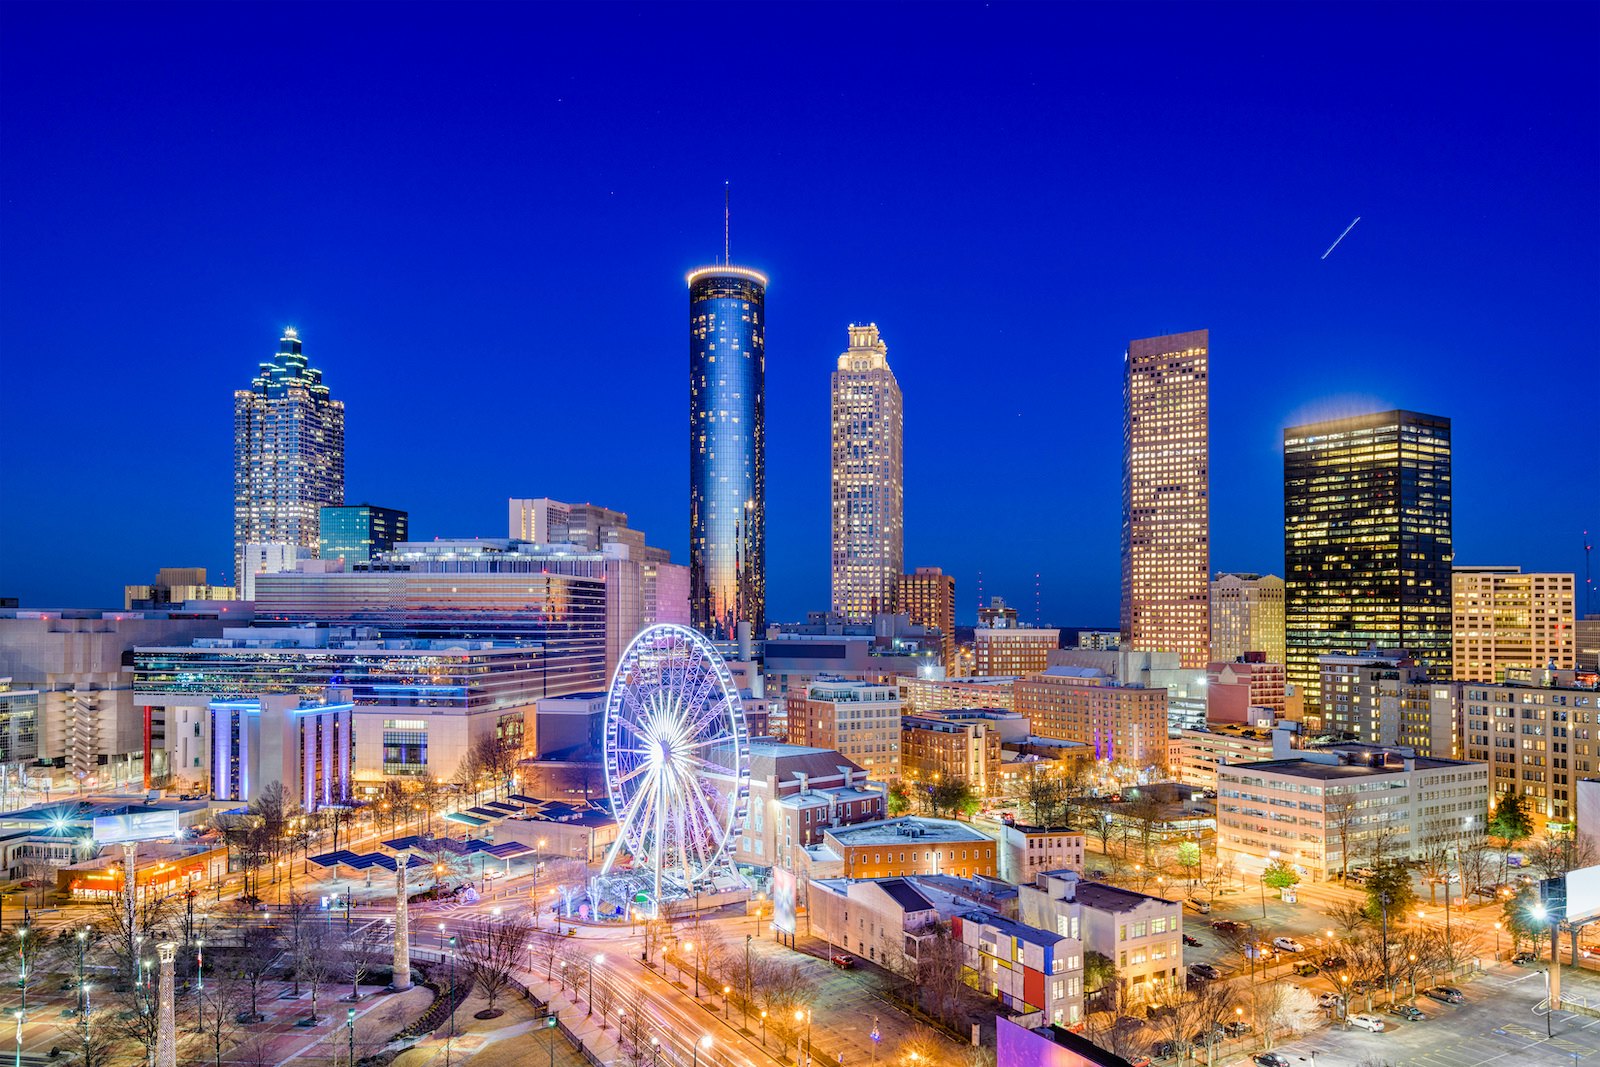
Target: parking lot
column 1496, row 1024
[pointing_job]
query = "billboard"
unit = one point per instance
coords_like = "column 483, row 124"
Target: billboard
column 1583, row 894
column 136, row 826
column 783, row 908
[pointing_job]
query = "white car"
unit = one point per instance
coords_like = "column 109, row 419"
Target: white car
column 1287, row 944
column 1367, row 1022
column 1329, row 1000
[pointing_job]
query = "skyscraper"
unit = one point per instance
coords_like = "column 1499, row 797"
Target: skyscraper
column 727, row 450
column 1504, row 619
column 288, row 454
column 1366, row 541
column 1166, row 507
column 868, row 479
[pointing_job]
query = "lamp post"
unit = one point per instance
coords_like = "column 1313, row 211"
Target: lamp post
column 763, row 1028
column 350, row 1016
column 199, row 964
column 599, row 958
column 655, row 1051
column 19, row 1016
column 1497, row 942
column 804, row 1013
column 703, row 1043
column 725, row 991
column 83, row 937
column 747, row 939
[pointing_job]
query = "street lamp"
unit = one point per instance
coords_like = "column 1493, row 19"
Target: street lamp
column 598, row 958
column 1497, row 942
column 350, row 1016
column 655, row 1051
column 703, row 1043
column 804, row 1013
column 763, row 1028
column 725, row 991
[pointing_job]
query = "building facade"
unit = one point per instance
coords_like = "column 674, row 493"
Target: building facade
column 1125, row 724
column 795, row 794
column 1029, row 851
column 288, row 454
column 868, row 479
column 1140, row 934
column 1331, row 810
column 1025, row 968
column 306, row 744
column 929, row 695
column 1366, row 541
column 1002, row 650
column 927, row 596
column 1504, row 619
column 1233, row 689
column 934, row 749
column 1539, row 733
column 1247, row 616
column 1386, row 698
column 175, row 586
column 860, row 720
column 1196, row 754
column 356, row 533
column 19, row 733
column 909, row 845
column 727, row 450
column 1166, row 496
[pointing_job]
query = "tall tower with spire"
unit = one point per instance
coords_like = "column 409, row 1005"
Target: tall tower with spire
column 727, row 447
column 288, row 455
column 869, row 552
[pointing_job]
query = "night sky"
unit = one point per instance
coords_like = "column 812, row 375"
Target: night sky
column 479, row 218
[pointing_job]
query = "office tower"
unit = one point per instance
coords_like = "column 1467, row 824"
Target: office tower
column 356, row 533
column 1542, row 704
column 288, row 454
column 1586, row 643
column 1247, row 616
column 868, row 478
column 928, row 597
column 727, row 450
column 1166, row 508
column 175, row 585
column 1503, row 618
column 1366, row 541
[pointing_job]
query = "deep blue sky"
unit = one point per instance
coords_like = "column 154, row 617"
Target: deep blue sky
column 479, row 218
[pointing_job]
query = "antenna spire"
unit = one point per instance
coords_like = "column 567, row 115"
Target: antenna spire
column 727, row 243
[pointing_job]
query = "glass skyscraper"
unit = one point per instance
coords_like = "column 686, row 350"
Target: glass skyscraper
column 727, row 450
column 357, row 532
column 288, row 454
column 1366, row 541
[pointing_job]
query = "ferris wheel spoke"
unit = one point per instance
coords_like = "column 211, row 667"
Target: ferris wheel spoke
column 631, row 807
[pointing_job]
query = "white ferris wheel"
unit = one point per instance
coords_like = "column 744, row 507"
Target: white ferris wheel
column 677, row 757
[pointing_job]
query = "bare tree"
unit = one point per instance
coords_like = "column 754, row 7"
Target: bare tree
column 317, row 959
column 365, row 951
column 1145, row 812
column 491, row 950
column 1281, row 1009
column 1435, row 859
column 259, row 949
column 1339, row 819
column 941, row 976
column 1348, row 916
column 91, row 1039
column 218, row 1009
column 547, row 946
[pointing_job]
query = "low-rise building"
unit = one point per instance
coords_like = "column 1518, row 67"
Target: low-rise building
column 885, row 920
column 797, row 792
column 1196, row 754
column 909, row 845
column 175, row 587
column 937, row 748
column 1326, row 811
column 1140, row 934
column 303, row 743
column 1029, row 851
column 827, row 646
column 1384, row 697
column 1537, row 732
column 1026, row 968
column 1235, row 687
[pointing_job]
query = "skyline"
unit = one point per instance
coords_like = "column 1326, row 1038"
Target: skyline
column 1466, row 265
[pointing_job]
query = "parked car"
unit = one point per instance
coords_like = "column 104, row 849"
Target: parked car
column 1199, row 906
column 1237, row 1028
column 844, row 962
column 1334, row 963
column 1287, row 944
column 1363, row 1021
column 1447, row 994
column 1363, row 872
column 1227, row 926
column 1204, row 970
column 1524, row 959
column 1259, row 951
column 1270, row 1059
column 1486, row 891
column 1216, row 1033
column 1329, row 1000
column 1407, row 1012
column 1306, row 970
column 1162, row 1049
column 1191, row 940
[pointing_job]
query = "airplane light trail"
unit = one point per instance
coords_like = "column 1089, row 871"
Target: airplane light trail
column 1339, row 238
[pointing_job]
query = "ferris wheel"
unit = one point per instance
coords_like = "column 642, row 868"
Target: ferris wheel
column 677, row 759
